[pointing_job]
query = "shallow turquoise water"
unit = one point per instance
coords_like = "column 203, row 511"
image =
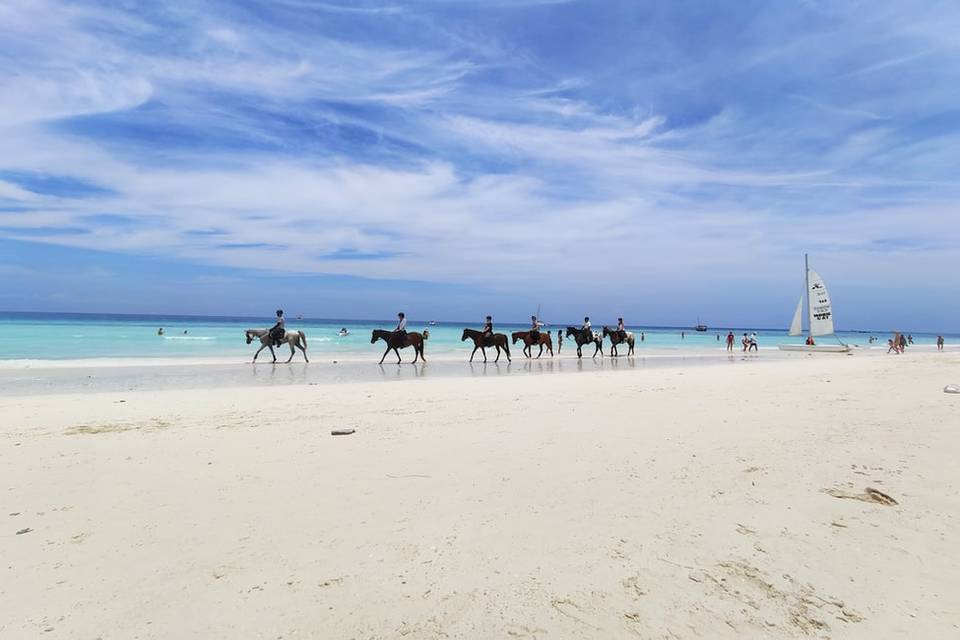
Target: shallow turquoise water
column 74, row 336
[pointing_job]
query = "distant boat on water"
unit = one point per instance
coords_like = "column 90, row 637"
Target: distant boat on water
column 700, row 326
column 819, row 316
column 432, row 323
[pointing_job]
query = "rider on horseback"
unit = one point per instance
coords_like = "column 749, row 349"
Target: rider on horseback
column 535, row 329
column 621, row 330
column 587, row 331
column 277, row 331
column 400, row 333
column 488, row 331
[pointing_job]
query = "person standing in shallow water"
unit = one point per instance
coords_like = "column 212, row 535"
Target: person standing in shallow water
column 730, row 341
column 559, row 341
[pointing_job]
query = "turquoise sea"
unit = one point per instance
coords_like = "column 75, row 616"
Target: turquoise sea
column 64, row 336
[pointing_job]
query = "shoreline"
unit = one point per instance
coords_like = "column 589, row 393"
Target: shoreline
column 113, row 375
column 446, row 356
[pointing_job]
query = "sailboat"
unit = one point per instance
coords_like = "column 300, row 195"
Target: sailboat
column 700, row 326
column 819, row 316
column 540, row 322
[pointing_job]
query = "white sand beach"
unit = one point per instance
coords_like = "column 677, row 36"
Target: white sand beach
column 672, row 502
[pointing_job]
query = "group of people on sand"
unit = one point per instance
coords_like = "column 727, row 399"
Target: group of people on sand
column 748, row 341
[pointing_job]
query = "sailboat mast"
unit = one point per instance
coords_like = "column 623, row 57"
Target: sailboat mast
column 806, row 294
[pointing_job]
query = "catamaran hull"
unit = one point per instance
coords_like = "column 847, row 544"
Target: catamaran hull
column 816, row 348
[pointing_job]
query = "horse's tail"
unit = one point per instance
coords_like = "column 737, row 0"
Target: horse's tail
column 303, row 339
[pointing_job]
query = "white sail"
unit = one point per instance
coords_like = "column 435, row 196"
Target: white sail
column 796, row 327
column 821, row 312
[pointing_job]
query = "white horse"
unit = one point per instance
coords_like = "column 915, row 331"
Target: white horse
column 293, row 339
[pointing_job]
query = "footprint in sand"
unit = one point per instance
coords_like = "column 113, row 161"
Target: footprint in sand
column 570, row 609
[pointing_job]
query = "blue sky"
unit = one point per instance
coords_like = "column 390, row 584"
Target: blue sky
column 657, row 160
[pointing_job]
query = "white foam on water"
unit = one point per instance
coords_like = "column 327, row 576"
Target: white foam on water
column 189, row 338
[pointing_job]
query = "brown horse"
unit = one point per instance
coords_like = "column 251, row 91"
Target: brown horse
column 582, row 337
column 529, row 341
column 615, row 340
column 395, row 342
column 498, row 340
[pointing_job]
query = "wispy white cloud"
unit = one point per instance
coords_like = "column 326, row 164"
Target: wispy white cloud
column 396, row 142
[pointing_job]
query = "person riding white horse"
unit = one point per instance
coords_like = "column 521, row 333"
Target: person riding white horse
column 278, row 330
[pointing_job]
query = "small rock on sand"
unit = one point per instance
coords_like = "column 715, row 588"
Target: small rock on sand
column 342, row 432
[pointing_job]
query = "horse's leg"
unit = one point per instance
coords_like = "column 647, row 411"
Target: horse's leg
column 472, row 353
column 299, row 346
column 483, row 350
column 397, row 351
column 262, row 347
column 498, row 354
column 272, row 352
column 416, row 353
column 292, row 351
column 385, row 354
column 541, row 351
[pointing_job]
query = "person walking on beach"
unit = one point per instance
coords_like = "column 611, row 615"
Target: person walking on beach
column 892, row 347
column 902, row 342
column 278, row 330
column 745, row 341
column 753, row 342
column 730, row 341
column 939, row 343
column 909, row 338
column 559, row 341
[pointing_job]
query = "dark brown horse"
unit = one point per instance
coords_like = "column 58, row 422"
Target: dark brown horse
column 395, row 341
column 528, row 341
column 615, row 339
column 497, row 340
column 582, row 337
